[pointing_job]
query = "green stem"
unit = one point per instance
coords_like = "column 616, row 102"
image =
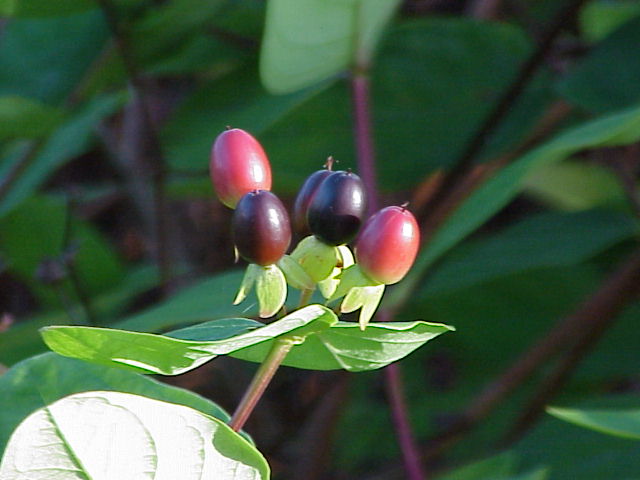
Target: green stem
column 261, row 379
column 305, row 296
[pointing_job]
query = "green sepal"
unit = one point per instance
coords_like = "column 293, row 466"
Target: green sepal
column 352, row 277
column 366, row 298
column 250, row 275
column 345, row 259
column 316, row 258
column 271, row 290
column 295, row 274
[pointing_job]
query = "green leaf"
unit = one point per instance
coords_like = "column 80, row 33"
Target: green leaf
column 590, row 84
column 617, row 129
column 57, row 377
column 207, row 299
column 237, row 99
column 295, row 274
column 271, row 290
column 540, row 241
column 316, row 258
column 365, row 298
column 46, row 59
column 248, row 280
column 599, row 18
column 431, row 81
column 22, row 117
column 43, row 8
column 574, row 185
column 306, row 41
column 345, row 346
column 351, row 277
column 69, row 141
column 115, row 435
column 148, row 353
column 34, row 232
column 329, row 285
column 620, row 423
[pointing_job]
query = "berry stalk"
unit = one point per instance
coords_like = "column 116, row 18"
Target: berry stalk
column 261, row 380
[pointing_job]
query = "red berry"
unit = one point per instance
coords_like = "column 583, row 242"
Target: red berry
column 238, row 165
column 388, row 244
column 305, row 195
column 260, row 228
column 336, row 210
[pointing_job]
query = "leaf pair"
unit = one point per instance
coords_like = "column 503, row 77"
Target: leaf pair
column 321, row 343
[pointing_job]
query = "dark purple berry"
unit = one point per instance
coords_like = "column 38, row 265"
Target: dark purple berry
column 260, row 228
column 305, row 195
column 336, row 210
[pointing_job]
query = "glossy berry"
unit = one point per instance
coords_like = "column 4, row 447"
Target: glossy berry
column 238, row 165
column 305, row 195
column 260, row 228
column 336, row 210
column 388, row 244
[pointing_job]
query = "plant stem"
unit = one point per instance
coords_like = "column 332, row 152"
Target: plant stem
column 360, row 88
column 151, row 158
column 360, row 91
column 305, row 296
column 261, row 379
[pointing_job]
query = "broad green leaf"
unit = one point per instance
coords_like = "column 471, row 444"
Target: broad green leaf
column 43, row 379
column 500, row 467
column 148, row 353
column 22, row 117
column 617, row 129
column 306, row 41
column 23, row 338
column 345, row 346
column 620, row 423
column 580, row 453
column 207, row 299
column 599, row 18
column 539, row 241
column 590, row 85
column 46, row 59
column 67, row 142
column 237, row 99
column 573, row 185
column 119, row 435
column 34, row 231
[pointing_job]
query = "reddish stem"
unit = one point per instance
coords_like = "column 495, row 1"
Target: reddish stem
column 360, row 89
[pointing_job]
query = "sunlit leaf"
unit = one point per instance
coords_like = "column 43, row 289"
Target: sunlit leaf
column 119, row 435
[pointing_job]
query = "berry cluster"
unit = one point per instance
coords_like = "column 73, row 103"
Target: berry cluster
column 328, row 213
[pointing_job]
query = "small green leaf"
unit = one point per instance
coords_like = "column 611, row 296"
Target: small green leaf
column 119, row 435
column 271, row 290
column 316, row 258
column 250, row 275
column 367, row 298
column 295, row 274
column 621, row 423
column 351, row 277
column 600, row 18
column 345, row 259
column 148, row 353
